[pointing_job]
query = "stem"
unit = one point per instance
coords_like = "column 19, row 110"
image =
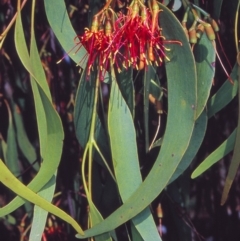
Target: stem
column 32, row 17
column 91, row 135
column 3, row 35
column 104, row 160
column 224, row 69
column 83, row 168
column 155, row 136
column 201, row 10
column 236, row 26
column 104, row 8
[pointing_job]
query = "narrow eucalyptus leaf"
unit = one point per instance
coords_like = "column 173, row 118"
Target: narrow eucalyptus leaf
column 39, row 214
column 236, row 151
column 205, row 57
column 126, row 163
column 7, row 178
column 50, row 128
column 215, row 156
column 224, row 95
column 194, row 145
column 22, row 139
column 61, row 26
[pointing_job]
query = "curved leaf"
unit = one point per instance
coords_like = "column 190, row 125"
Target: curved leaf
column 215, row 156
column 126, row 163
column 61, row 26
column 236, row 152
column 195, row 143
column 84, row 107
column 11, row 151
column 22, row 139
column 50, row 128
column 148, row 75
column 205, row 56
column 224, row 95
column 40, row 215
column 177, row 135
column 3, row 148
column 8, row 179
column 126, row 86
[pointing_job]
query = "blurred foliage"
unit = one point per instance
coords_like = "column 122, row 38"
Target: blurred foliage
column 116, row 157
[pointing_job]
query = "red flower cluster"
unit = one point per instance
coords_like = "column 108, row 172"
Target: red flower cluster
column 133, row 39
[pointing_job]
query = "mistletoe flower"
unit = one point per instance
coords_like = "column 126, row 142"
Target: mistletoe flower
column 131, row 40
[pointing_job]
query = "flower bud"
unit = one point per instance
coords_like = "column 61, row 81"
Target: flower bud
column 214, row 24
column 95, row 25
column 209, row 31
column 192, row 35
column 200, row 30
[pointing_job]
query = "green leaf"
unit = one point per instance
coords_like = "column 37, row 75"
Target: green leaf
column 84, row 107
column 10, row 220
column 11, row 151
column 126, row 164
column 135, row 236
column 195, row 143
column 24, row 144
column 236, row 152
column 50, row 128
column 3, row 148
column 224, row 95
column 215, row 156
column 8, row 179
column 61, row 26
column 205, row 56
column 148, row 75
column 124, row 79
column 181, row 74
column 96, row 218
column 39, row 214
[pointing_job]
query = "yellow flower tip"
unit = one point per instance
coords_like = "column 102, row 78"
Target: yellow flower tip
column 166, row 57
column 167, row 49
column 59, row 61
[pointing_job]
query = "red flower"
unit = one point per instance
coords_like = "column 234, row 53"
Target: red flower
column 128, row 40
